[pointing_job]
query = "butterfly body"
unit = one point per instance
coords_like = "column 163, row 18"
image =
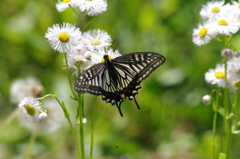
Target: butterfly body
column 118, row 78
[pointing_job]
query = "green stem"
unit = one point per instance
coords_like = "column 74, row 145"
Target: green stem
column 66, row 114
column 81, row 128
column 236, row 112
column 92, row 129
column 9, row 119
column 227, row 117
column 69, row 77
column 30, row 145
column 215, row 109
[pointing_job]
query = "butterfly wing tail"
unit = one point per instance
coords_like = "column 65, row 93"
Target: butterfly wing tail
column 136, row 102
column 120, row 111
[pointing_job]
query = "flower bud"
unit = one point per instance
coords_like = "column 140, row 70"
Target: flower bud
column 227, row 53
column 207, row 99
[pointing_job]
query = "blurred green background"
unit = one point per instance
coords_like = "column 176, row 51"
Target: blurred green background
column 172, row 122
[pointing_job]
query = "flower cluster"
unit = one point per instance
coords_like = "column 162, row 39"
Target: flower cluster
column 226, row 78
column 91, row 7
column 219, row 18
column 83, row 49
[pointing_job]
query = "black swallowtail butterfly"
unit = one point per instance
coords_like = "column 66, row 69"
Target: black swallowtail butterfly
column 120, row 77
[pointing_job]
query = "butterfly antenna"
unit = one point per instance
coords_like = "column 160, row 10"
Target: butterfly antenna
column 136, row 102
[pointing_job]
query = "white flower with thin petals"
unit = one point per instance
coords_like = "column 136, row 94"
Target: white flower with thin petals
column 92, row 7
column 49, row 121
column 216, row 76
column 213, row 9
column 30, row 108
column 79, row 58
column 225, row 25
column 233, row 66
column 203, row 34
column 96, row 39
column 97, row 57
column 27, row 87
column 235, row 8
column 63, row 37
column 65, row 4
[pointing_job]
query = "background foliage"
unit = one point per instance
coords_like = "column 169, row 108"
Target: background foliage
column 172, row 122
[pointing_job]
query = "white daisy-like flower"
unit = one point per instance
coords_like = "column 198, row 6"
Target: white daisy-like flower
column 63, row 37
column 213, row 9
column 225, row 25
column 97, row 57
column 216, row 76
column 233, row 66
column 96, row 39
column 49, row 121
column 235, row 8
column 65, row 4
column 203, row 34
column 30, row 108
column 22, row 88
column 79, row 58
column 92, row 7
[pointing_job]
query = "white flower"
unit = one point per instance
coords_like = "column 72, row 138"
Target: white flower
column 92, row 7
column 63, row 37
column 225, row 25
column 233, row 66
column 213, row 9
column 55, row 119
column 203, row 34
column 235, row 9
column 79, row 58
column 96, row 39
column 21, row 88
column 97, row 57
column 216, row 76
column 64, row 4
column 207, row 99
column 30, row 108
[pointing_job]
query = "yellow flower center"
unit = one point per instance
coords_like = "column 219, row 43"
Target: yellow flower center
column 223, row 22
column 66, row 1
column 203, row 32
column 95, row 42
column 63, row 37
column 238, row 5
column 215, row 10
column 219, row 74
column 109, row 56
column 30, row 110
column 79, row 57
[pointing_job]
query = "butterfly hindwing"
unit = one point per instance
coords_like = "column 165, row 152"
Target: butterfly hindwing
column 120, row 77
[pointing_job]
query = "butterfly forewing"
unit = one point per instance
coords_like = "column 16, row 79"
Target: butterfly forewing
column 120, row 77
column 141, row 64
